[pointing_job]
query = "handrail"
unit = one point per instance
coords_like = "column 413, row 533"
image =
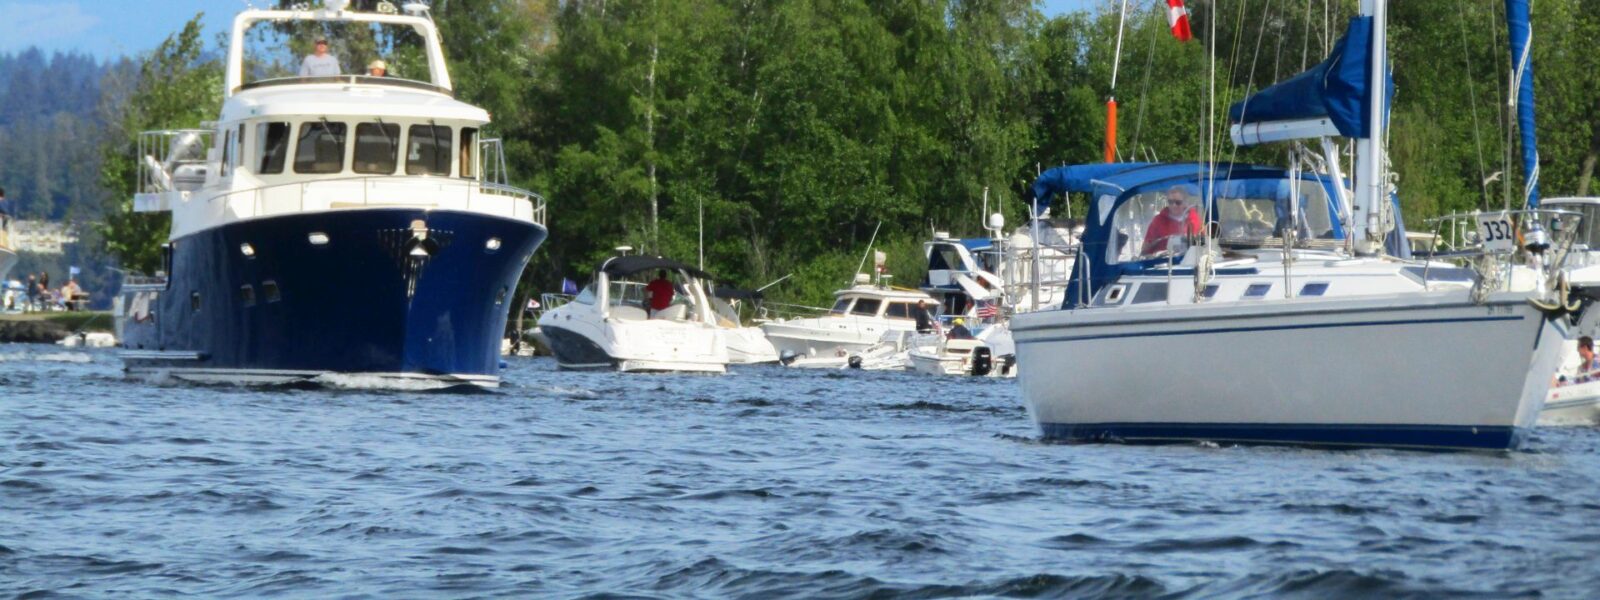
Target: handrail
column 471, row 189
column 1558, row 229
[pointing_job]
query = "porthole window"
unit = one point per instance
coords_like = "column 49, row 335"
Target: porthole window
column 493, row 245
column 247, row 295
column 247, row 250
column 317, row 238
column 1115, row 293
column 269, row 289
column 194, row 301
column 500, row 298
column 1257, row 290
column 1314, row 289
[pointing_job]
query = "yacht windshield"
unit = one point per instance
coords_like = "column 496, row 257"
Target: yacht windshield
column 289, row 50
column 1252, row 215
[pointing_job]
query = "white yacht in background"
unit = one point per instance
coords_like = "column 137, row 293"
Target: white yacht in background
column 608, row 325
column 339, row 224
column 1296, row 316
column 860, row 318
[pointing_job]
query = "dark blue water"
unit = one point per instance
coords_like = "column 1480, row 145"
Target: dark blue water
column 764, row 483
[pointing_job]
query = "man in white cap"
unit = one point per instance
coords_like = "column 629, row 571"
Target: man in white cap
column 377, row 68
column 320, row 64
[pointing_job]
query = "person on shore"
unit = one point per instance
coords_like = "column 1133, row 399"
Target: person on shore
column 69, row 294
column 1178, row 218
column 661, row 291
column 320, row 64
column 377, row 68
column 960, row 331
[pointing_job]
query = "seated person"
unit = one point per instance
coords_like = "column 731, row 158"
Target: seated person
column 960, row 331
column 1588, row 365
column 377, row 68
column 1178, row 218
column 320, row 64
column 661, row 292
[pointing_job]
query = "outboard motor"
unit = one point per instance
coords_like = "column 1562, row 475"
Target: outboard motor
column 1007, row 363
column 982, row 361
column 855, row 361
column 787, row 357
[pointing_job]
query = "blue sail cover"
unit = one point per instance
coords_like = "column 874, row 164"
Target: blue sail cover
column 1522, row 64
column 1336, row 88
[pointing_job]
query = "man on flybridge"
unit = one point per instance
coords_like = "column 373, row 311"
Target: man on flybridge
column 320, row 64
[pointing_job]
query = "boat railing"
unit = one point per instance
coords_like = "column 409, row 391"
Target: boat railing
column 389, row 191
column 1497, row 242
column 550, row 301
column 172, row 160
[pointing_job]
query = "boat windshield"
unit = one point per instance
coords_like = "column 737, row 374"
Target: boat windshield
column 1164, row 220
column 1588, row 227
column 841, row 306
column 286, row 52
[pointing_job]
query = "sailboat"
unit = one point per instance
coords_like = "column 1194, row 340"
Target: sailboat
column 1295, row 314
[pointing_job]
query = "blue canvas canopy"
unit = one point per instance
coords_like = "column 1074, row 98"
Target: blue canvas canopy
column 1111, row 185
column 1336, row 89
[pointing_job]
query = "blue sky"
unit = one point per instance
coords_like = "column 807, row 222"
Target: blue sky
column 108, row 28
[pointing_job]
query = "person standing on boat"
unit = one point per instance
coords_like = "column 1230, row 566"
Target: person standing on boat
column 960, row 331
column 924, row 318
column 377, row 68
column 1178, row 218
column 320, row 64
column 660, row 292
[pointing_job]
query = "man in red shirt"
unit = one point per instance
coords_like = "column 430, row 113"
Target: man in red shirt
column 660, row 292
column 1178, row 218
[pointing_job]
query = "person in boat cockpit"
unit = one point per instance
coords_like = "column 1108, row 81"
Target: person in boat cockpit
column 320, row 64
column 1587, row 364
column 377, row 68
column 1178, row 218
column 660, row 292
column 960, row 331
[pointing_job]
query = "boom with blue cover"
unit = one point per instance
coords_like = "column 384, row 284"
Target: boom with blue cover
column 1336, row 89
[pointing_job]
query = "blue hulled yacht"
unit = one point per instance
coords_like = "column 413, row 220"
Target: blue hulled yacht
column 331, row 224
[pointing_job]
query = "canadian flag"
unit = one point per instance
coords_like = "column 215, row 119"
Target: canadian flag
column 1178, row 18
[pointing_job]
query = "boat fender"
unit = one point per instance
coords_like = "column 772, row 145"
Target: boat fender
column 982, row 361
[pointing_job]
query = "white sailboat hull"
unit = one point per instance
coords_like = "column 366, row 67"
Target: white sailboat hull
column 1424, row 369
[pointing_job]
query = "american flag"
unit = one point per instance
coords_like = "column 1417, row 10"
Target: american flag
column 987, row 309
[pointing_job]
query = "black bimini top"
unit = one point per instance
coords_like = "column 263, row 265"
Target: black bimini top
column 623, row 266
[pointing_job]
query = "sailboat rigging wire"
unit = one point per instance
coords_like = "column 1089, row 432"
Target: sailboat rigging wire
column 870, row 242
column 1144, row 89
column 1472, row 100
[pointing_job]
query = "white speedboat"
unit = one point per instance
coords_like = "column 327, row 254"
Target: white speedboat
column 330, row 224
column 1578, row 403
column 984, row 355
column 608, row 326
column 747, row 344
column 1274, row 324
column 860, row 317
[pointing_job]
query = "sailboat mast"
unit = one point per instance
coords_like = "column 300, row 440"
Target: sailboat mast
column 1369, row 150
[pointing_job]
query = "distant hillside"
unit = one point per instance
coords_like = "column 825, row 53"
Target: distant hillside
column 50, row 124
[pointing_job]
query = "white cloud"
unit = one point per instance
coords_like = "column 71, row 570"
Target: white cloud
column 44, row 24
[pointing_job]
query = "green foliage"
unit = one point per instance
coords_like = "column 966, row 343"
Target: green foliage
column 175, row 89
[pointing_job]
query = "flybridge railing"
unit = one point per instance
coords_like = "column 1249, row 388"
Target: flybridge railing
column 172, row 160
column 387, row 190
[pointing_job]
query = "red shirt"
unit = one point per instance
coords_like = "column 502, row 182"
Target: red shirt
column 660, row 294
column 1163, row 227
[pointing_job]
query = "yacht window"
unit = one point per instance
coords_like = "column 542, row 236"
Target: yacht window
column 377, row 148
column 1257, row 290
column 428, row 151
column 269, row 289
column 227, row 154
column 1150, row 292
column 1211, row 291
column 272, row 145
column 1154, row 223
column 1253, row 212
column 468, row 152
column 866, row 306
column 841, row 306
column 320, row 148
column 1112, row 295
column 945, row 257
column 898, row 310
column 1314, row 289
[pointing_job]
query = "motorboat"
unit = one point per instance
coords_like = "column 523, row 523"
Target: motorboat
column 1571, row 402
column 609, row 324
column 1295, row 314
column 334, row 224
column 747, row 344
column 860, row 318
column 989, row 353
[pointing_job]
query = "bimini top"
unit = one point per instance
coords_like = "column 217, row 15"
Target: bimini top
column 623, row 266
column 1247, row 204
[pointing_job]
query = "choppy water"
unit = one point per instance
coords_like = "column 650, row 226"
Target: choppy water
column 764, row 483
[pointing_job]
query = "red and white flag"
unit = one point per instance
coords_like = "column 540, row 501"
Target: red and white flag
column 1178, row 18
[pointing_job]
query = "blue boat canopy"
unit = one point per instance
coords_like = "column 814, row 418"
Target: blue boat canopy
column 1335, row 89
